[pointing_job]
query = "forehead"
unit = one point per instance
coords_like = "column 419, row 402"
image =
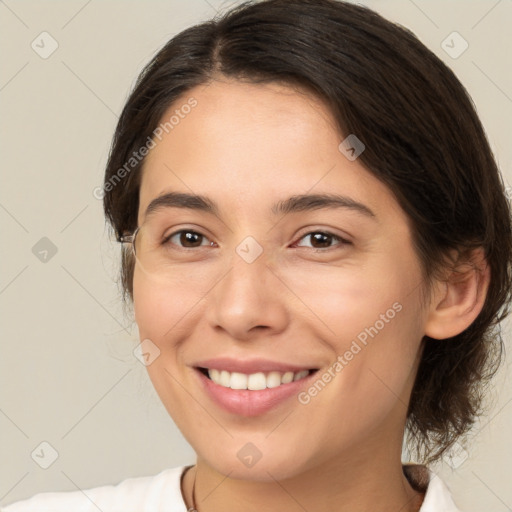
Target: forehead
column 245, row 145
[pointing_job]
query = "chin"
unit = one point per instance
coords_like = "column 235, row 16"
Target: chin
column 249, row 463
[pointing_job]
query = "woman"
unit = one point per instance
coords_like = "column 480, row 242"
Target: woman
column 317, row 246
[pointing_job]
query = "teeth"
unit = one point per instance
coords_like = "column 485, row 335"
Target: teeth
column 254, row 381
column 238, row 381
column 224, row 379
column 287, row 377
column 273, row 380
column 300, row 375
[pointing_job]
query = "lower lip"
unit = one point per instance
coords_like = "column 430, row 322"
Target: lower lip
column 245, row 402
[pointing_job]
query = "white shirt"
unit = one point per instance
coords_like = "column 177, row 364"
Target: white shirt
column 162, row 493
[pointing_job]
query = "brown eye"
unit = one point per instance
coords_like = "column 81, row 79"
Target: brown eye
column 187, row 239
column 322, row 240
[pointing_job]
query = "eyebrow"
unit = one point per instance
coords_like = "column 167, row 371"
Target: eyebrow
column 296, row 203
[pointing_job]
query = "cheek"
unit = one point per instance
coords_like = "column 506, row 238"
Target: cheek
column 344, row 302
column 366, row 388
column 163, row 316
column 379, row 365
column 166, row 313
column 163, row 309
column 371, row 319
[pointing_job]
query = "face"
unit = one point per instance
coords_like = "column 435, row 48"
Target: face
column 251, row 289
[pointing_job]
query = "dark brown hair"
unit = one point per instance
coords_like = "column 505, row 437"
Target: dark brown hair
column 423, row 140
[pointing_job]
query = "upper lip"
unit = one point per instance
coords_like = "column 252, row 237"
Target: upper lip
column 250, row 366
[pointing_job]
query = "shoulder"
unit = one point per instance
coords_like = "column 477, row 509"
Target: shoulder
column 132, row 494
column 438, row 497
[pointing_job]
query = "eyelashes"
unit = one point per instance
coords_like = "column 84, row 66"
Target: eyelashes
column 190, row 239
column 325, row 234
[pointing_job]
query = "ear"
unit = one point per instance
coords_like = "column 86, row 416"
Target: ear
column 457, row 300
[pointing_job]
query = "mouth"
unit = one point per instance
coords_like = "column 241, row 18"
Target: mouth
column 253, row 394
column 255, row 381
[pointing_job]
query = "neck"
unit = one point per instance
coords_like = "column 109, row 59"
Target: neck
column 334, row 485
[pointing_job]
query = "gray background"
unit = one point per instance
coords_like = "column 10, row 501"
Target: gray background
column 69, row 377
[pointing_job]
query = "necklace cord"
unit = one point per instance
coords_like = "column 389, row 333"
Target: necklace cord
column 193, row 507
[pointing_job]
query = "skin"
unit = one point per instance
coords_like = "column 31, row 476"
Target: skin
column 247, row 146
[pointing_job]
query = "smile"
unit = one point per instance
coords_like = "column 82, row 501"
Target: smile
column 254, row 381
column 252, row 387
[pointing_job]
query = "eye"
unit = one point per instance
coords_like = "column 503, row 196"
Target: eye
column 188, row 239
column 322, row 240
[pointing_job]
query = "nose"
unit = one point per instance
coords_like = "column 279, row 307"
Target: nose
column 249, row 301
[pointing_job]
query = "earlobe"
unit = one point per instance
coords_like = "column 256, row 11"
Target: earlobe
column 459, row 299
